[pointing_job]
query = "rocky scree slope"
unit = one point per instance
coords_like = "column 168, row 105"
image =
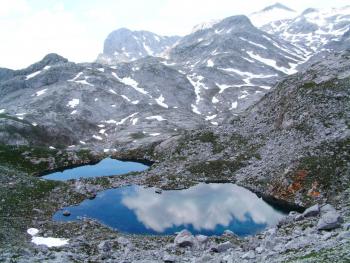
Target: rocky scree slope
column 292, row 145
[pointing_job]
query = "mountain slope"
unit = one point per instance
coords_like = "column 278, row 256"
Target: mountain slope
column 232, row 64
column 313, row 29
column 136, row 103
column 293, row 144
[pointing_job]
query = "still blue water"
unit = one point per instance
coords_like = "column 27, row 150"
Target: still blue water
column 207, row 209
column 105, row 167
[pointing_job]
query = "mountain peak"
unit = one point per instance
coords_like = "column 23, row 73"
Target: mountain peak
column 277, row 6
column 53, row 58
column 124, row 45
column 237, row 21
column 272, row 13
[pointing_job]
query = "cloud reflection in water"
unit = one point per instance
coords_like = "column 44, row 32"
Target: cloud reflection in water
column 205, row 208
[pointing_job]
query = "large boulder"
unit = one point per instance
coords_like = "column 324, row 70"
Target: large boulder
column 169, row 258
column 329, row 221
column 312, row 211
column 185, row 239
column 327, row 208
column 202, row 239
column 249, row 255
column 222, row 247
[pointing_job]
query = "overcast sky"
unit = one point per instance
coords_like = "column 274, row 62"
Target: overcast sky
column 76, row 29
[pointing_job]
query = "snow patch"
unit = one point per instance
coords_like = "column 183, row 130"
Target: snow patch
column 156, row 117
column 253, row 43
column 134, row 121
column 73, row 103
column 234, row 105
column 209, row 118
column 197, row 85
column 33, row 75
column 160, row 102
column 125, row 98
column 130, row 82
column 271, row 63
column 32, row 231
column 210, row 63
column 147, row 49
column 122, row 121
column 46, row 241
column 112, row 91
column 40, row 92
column 195, row 109
column 84, row 82
column 49, row 241
column 76, row 77
column 97, row 137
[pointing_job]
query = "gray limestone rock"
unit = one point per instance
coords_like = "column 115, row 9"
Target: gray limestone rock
column 329, row 221
column 185, row 239
column 312, row 211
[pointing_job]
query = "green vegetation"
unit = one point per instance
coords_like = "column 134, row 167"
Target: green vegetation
column 35, row 160
column 18, row 157
column 210, row 137
column 13, row 118
column 335, row 254
column 308, row 85
column 20, row 201
column 84, row 154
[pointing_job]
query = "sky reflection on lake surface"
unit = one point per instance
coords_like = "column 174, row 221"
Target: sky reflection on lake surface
column 205, row 208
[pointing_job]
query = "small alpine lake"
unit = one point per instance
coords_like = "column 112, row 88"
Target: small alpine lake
column 207, row 209
column 106, row 167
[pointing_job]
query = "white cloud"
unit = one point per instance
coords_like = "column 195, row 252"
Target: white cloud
column 13, row 8
column 76, row 29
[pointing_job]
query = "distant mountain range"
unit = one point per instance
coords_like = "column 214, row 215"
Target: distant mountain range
column 145, row 87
